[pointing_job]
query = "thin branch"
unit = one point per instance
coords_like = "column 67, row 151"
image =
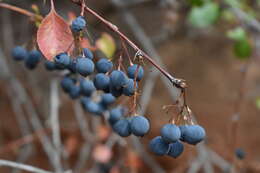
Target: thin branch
column 20, row 10
column 55, row 103
column 22, row 166
column 179, row 83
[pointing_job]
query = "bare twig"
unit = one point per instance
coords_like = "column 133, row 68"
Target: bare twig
column 55, row 103
column 175, row 81
column 20, row 10
column 22, row 166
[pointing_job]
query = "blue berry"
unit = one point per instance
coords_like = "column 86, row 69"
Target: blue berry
column 78, row 24
column 240, row 153
column 122, row 127
column 176, row 149
column 87, row 87
column 170, row 133
column 85, row 66
column 72, row 66
column 118, row 79
column 115, row 92
column 104, row 65
column 62, row 59
column 129, row 89
column 74, row 92
column 19, row 53
column 115, row 115
column 67, row 83
column 49, row 65
column 93, row 107
column 84, row 101
column 159, row 146
column 33, row 59
column 87, row 53
column 107, row 99
column 139, row 125
column 131, row 72
column 102, row 81
column 192, row 134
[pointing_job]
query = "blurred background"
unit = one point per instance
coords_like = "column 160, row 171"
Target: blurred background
column 213, row 45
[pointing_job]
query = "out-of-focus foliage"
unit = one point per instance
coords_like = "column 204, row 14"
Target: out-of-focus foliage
column 204, row 15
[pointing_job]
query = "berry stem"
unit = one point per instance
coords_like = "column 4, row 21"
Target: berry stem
column 179, row 83
column 20, row 10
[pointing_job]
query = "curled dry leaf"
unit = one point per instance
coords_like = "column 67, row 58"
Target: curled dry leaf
column 54, row 36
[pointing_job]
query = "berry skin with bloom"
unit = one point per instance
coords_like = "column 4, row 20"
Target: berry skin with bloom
column 170, row 133
column 67, row 83
column 115, row 115
column 192, row 134
column 85, row 66
column 62, row 60
column 139, row 125
column 122, row 127
column 49, row 65
column 87, row 53
column 19, row 53
column 33, row 59
column 93, row 107
column 130, row 88
column 107, row 99
column 118, row 79
column 78, row 24
column 87, row 87
column 176, row 149
column 158, row 146
column 104, row 65
column 131, row 70
column 102, row 81
column 74, row 92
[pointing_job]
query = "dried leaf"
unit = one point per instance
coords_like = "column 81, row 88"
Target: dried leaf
column 54, row 35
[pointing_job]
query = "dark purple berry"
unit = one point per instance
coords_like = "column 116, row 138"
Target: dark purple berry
column 19, row 53
column 176, row 149
column 170, row 133
column 85, row 66
column 87, row 53
column 118, row 79
column 78, row 24
column 104, row 65
column 131, row 71
column 87, row 87
column 139, row 125
column 129, row 89
column 122, row 127
column 158, row 146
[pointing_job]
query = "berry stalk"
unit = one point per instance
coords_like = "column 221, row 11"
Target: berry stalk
column 179, row 83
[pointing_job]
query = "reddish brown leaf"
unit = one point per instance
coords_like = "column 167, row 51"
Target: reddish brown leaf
column 54, row 35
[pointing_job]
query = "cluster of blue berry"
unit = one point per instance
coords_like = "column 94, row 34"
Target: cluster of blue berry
column 31, row 59
column 97, row 83
column 169, row 143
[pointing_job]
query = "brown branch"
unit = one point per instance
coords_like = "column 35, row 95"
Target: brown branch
column 20, row 10
column 179, row 83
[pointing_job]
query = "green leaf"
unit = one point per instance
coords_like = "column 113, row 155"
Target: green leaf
column 257, row 103
column 195, row 2
column 205, row 15
column 237, row 34
column 242, row 49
